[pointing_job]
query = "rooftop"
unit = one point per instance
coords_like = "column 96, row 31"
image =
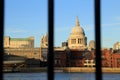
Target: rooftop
column 19, row 39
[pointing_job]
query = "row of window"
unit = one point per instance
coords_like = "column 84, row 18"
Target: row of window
column 74, row 41
column 57, row 61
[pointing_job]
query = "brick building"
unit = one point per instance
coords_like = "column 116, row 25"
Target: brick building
column 106, row 58
column 60, row 58
column 115, row 60
column 76, row 58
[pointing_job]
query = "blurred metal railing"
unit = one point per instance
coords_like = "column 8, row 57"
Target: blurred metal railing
column 1, row 36
column 50, row 39
column 98, row 39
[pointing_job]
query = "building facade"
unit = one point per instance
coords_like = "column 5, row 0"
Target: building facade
column 18, row 42
column 92, row 44
column 44, row 47
column 106, row 57
column 60, row 58
column 24, row 52
column 116, row 60
column 22, row 47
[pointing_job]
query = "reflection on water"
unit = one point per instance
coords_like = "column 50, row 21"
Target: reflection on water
column 59, row 76
column 75, row 76
column 25, row 76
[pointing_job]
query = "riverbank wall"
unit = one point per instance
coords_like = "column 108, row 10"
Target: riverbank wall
column 65, row 69
column 104, row 70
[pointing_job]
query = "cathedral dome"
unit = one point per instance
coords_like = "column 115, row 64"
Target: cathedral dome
column 77, row 29
column 77, row 39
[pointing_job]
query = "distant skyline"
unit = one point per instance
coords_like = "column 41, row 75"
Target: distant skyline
column 24, row 18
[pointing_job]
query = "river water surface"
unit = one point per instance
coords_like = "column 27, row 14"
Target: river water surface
column 58, row 76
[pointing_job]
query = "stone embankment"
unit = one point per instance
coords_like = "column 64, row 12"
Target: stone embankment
column 77, row 69
column 65, row 69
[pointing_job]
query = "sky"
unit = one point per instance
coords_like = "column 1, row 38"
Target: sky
column 25, row 18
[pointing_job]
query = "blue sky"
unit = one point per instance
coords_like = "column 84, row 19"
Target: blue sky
column 24, row 18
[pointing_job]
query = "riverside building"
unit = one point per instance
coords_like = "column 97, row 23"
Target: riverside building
column 44, row 47
column 22, row 47
column 18, row 42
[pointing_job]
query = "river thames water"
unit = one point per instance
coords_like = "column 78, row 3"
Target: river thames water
column 59, row 76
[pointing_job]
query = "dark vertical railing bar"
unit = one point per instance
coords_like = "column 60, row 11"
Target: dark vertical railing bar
column 1, row 35
column 98, row 40
column 50, row 39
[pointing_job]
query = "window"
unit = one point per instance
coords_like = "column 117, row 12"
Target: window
column 73, row 41
column 79, row 40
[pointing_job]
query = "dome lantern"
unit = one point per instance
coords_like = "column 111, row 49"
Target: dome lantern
column 77, row 22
